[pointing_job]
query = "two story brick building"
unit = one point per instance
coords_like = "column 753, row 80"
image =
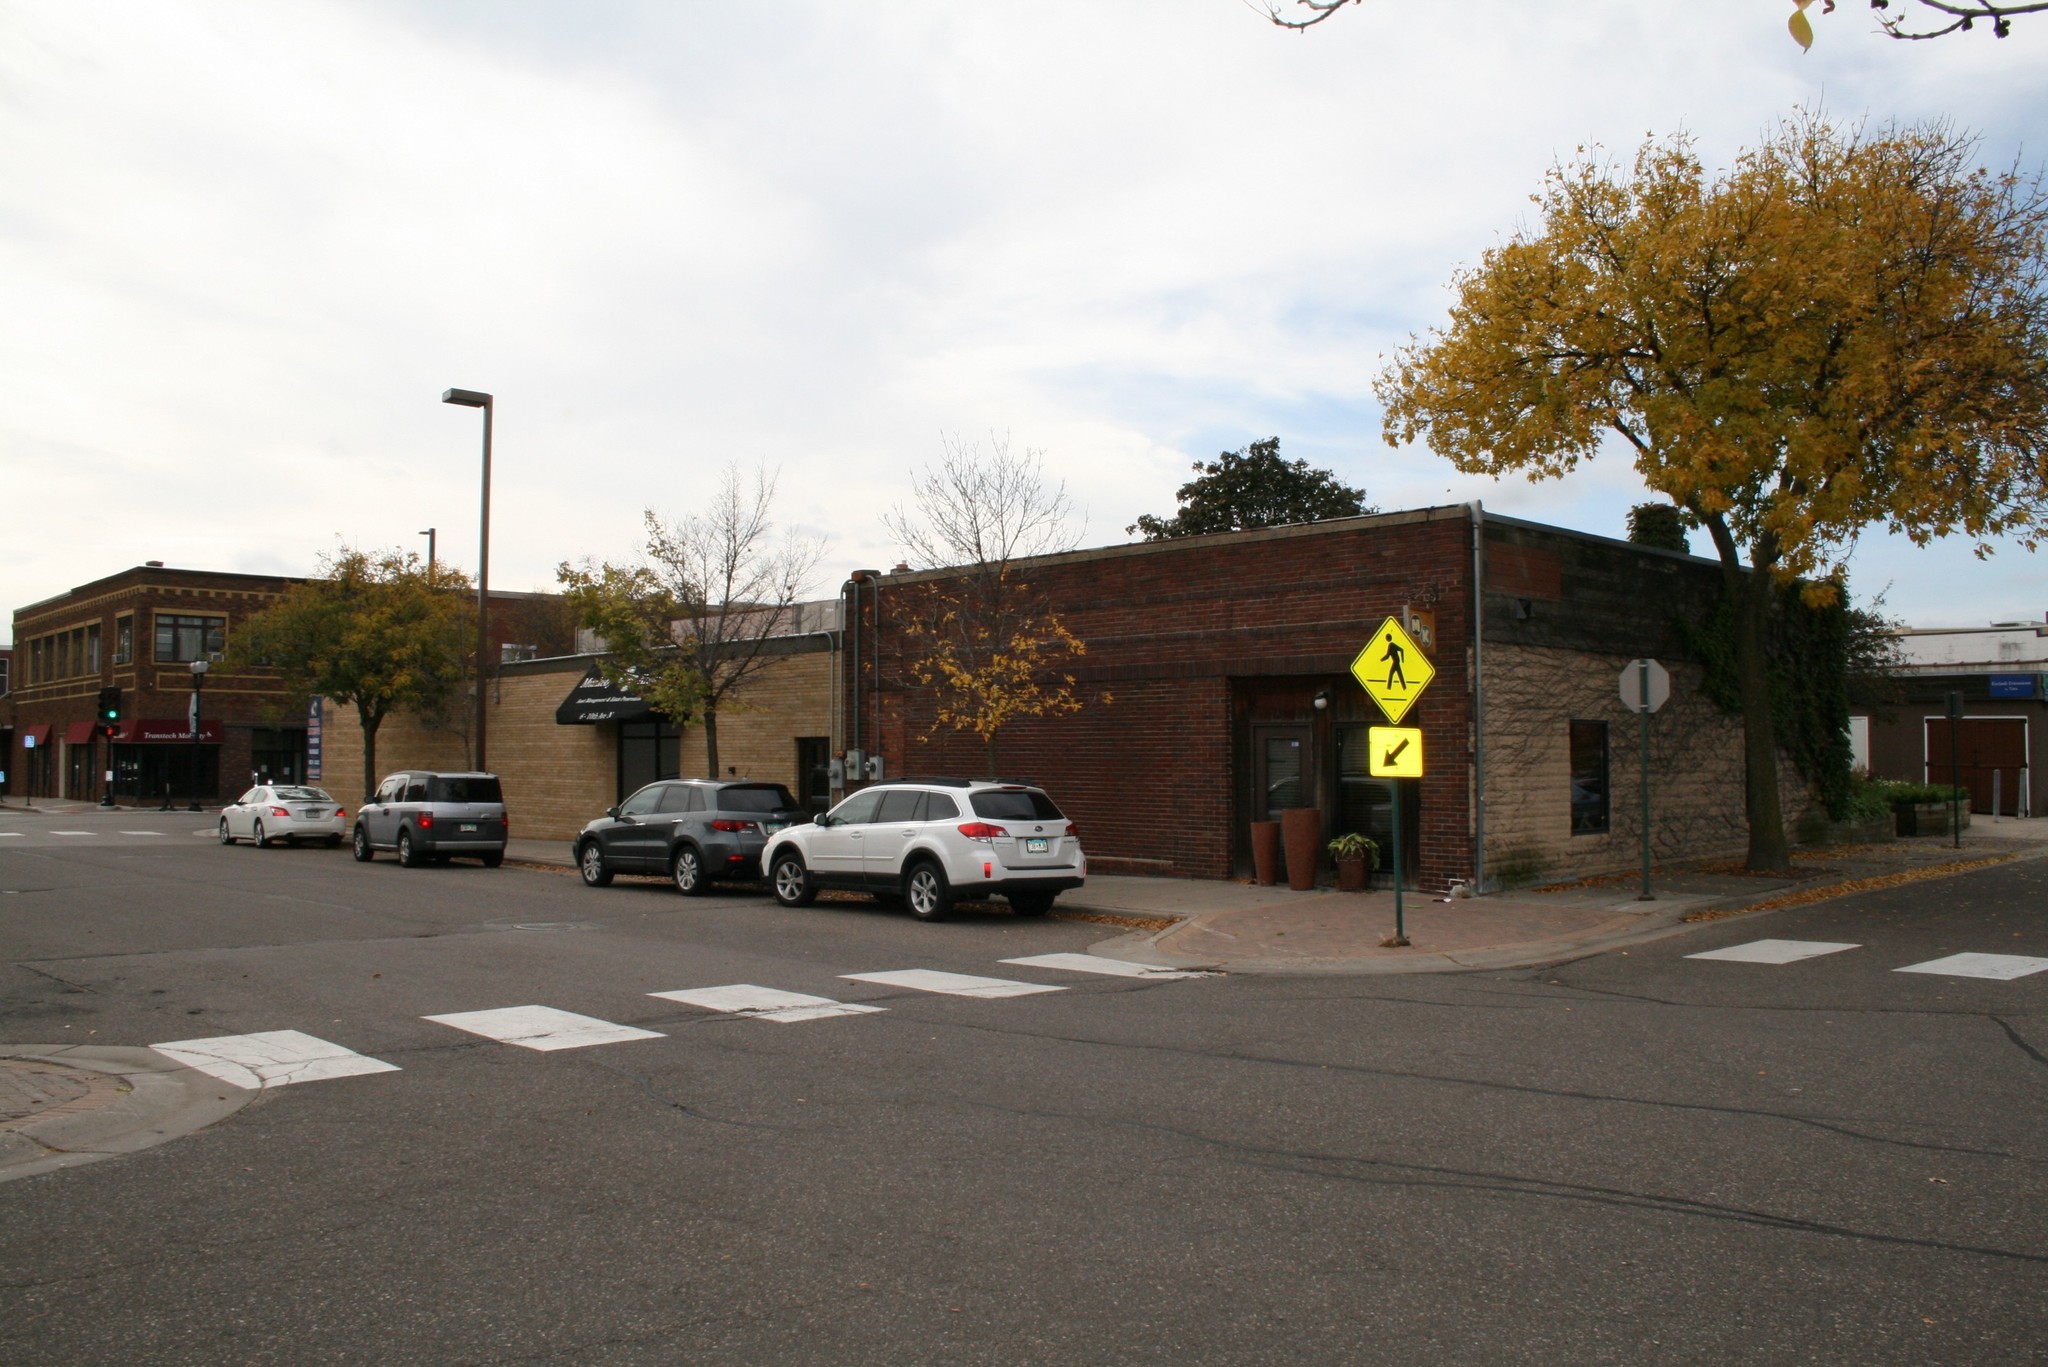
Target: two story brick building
column 1218, row 691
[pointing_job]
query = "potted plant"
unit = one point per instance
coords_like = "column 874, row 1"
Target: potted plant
column 1356, row 855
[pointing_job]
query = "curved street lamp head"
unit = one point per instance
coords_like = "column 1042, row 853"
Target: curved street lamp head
column 468, row 398
column 199, row 669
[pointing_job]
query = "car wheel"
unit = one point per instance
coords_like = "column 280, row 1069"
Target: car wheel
column 688, row 871
column 1031, row 903
column 408, row 855
column 225, row 838
column 262, row 841
column 493, row 859
column 361, row 840
column 926, row 890
column 591, row 863
column 792, row 881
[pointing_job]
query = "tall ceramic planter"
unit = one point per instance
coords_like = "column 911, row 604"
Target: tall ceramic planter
column 1265, row 853
column 1301, row 831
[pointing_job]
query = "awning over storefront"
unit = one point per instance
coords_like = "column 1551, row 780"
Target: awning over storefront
column 78, row 732
column 151, row 731
column 33, row 737
column 594, row 699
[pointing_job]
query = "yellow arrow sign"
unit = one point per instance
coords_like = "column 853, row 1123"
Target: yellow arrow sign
column 1393, row 751
column 1393, row 670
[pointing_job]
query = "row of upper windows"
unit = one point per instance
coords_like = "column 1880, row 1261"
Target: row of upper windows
column 180, row 638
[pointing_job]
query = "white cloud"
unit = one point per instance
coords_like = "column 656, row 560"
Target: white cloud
column 244, row 247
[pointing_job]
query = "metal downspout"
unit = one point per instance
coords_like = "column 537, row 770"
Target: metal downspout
column 1478, row 697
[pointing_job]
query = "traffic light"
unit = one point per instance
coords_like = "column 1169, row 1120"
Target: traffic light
column 110, row 711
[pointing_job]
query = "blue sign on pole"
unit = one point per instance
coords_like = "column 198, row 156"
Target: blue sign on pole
column 2013, row 685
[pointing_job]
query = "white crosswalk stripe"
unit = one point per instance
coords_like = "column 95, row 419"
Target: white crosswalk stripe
column 142, row 832
column 1997, row 967
column 275, row 1058
column 542, row 1027
column 74, row 832
column 1114, row 968
column 766, row 1003
column 1774, row 951
column 951, row 984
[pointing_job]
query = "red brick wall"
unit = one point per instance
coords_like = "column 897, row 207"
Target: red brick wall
column 1151, row 775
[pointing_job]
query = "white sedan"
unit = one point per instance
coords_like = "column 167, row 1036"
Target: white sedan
column 268, row 815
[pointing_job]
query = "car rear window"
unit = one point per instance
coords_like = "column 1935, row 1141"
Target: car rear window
column 301, row 795
column 768, row 797
column 1015, row 804
column 484, row 789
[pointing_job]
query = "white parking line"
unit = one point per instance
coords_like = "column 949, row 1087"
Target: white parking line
column 766, row 1003
column 10, row 835
column 542, row 1027
column 74, row 832
column 1997, row 967
column 142, row 832
column 1115, row 968
column 275, row 1058
column 1773, row 951
column 952, row 984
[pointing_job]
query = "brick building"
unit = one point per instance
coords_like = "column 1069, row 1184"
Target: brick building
column 2000, row 747
column 565, row 745
column 1226, row 663
column 141, row 630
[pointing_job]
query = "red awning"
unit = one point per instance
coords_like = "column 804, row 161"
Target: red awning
column 78, row 732
column 32, row 736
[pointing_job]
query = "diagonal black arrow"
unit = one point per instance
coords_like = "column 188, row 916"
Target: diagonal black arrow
column 1396, row 750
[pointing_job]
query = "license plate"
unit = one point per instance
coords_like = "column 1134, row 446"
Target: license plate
column 1036, row 845
column 312, row 813
column 466, row 827
column 771, row 827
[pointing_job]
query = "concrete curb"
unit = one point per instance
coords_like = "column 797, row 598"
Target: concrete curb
column 164, row 1101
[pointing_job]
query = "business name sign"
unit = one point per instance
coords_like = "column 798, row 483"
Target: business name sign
column 313, row 710
column 2015, row 686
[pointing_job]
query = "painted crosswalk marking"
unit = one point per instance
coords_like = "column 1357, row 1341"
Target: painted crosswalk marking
column 952, row 984
column 10, row 835
column 73, row 832
column 275, row 1058
column 1997, row 967
column 766, row 1003
column 542, row 1027
column 1774, row 951
column 142, row 832
column 1094, row 963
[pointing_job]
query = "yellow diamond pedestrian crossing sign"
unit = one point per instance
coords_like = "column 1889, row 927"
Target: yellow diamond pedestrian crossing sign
column 1393, row 670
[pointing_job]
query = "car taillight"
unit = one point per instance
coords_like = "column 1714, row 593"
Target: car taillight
column 726, row 824
column 341, row 813
column 1073, row 831
column 280, row 811
column 506, row 821
column 981, row 830
column 425, row 820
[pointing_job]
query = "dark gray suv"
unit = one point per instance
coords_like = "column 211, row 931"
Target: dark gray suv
column 427, row 816
column 693, row 830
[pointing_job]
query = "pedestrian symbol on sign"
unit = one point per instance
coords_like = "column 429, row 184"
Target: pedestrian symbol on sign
column 1393, row 670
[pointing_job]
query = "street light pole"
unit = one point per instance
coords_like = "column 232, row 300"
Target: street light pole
column 471, row 398
column 429, row 535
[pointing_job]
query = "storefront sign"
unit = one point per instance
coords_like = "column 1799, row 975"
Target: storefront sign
column 2014, row 686
column 595, row 699
column 152, row 731
column 313, row 711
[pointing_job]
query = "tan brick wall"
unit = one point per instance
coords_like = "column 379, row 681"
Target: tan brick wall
column 558, row 777
column 1696, row 767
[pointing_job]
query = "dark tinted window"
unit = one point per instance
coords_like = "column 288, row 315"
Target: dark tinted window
column 1589, row 777
column 939, row 807
column 1015, row 804
column 643, row 802
column 899, row 804
column 766, row 797
column 858, row 809
column 415, row 790
column 484, row 789
column 680, row 797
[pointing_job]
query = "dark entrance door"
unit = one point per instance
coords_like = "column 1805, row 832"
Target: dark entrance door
column 814, row 772
column 1366, row 805
column 1283, row 769
column 1989, row 745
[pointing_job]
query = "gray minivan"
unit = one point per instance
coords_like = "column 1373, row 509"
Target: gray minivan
column 427, row 816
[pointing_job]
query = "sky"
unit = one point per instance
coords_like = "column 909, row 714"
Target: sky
column 246, row 244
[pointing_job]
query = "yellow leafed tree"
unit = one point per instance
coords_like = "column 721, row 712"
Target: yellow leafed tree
column 1847, row 328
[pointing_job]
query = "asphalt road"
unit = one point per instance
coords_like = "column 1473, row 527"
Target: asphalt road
column 1639, row 1157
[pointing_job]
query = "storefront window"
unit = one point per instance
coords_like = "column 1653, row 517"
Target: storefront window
column 180, row 639
column 648, row 751
column 1589, row 778
column 124, row 640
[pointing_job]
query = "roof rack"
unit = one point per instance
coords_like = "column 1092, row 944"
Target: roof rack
column 937, row 781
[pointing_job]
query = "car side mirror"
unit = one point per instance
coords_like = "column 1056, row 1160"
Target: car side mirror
column 821, row 819
column 612, row 813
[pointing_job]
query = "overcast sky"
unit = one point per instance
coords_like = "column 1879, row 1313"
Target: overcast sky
column 245, row 246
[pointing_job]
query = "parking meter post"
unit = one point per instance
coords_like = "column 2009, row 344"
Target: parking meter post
column 1643, row 711
column 1400, row 927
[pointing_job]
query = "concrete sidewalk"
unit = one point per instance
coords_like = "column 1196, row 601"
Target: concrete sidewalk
column 1242, row 928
